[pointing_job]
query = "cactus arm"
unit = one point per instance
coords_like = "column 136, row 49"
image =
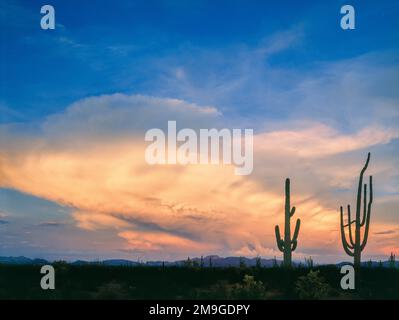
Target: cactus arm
column 296, row 232
column 350, row 227
column 292, row 211
column 364, row 206
column 280, row 242
column 359, row 189
column 345, row 244
column 294, row 241
column 367, row 222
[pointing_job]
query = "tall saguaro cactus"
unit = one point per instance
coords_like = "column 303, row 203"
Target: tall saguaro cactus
column 288, row 245
column 355, row 246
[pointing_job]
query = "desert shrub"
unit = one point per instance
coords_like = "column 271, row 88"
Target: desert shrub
column 249, row 288
column 312, row 286
column 111, row 290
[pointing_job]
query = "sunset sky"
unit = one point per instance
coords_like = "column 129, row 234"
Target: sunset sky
column 75, row 103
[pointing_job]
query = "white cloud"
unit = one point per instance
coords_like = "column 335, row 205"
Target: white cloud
column 319, row 140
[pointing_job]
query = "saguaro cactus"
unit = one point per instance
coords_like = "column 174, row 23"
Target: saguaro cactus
column 288, row 245
column 392, row 261
column 355, row 246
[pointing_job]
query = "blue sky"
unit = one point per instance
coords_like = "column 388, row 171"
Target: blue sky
column 272, row 66
column 111, row 46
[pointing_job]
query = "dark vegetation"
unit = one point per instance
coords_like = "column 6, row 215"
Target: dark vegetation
column 143, row 282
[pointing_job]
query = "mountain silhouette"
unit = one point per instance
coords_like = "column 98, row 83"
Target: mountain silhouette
column 213, row 260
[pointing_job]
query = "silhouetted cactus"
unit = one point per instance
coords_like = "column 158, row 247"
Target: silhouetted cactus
column 258, row 262
column 288, row 245
column 242, row 264
column 309, row 262
column 355, row 246
column 392, row 261
column 188, row 263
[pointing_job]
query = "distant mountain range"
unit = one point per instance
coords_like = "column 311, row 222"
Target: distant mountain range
column 207, row 261
column 22, row 260
column 214, row 260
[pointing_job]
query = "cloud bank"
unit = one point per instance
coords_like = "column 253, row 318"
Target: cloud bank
column 90, row 158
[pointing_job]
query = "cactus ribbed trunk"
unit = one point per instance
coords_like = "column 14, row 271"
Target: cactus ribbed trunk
column 357, row 258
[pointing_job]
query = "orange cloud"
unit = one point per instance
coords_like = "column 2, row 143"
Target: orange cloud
column 175, row 209
column 158, row 241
